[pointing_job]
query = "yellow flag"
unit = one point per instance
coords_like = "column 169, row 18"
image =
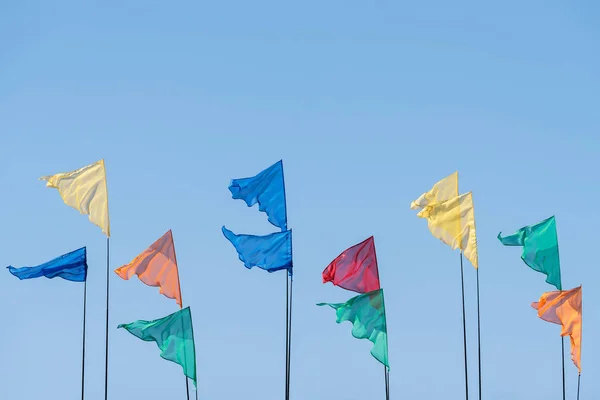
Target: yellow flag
column 453, row 222
column 85, row 190
column 445, row 189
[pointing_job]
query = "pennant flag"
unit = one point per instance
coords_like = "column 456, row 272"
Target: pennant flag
column 271, row 252
column 540, row 248
column 71, row 266
column 445, row 189
column 85, row 190
column 156, row 266
column 174, row 336
column 267, row 189
column 453, row 222
column 563, row 307
column 355, row 269
column 367, row 314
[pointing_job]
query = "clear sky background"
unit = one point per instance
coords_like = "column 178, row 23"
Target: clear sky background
column 368, row 104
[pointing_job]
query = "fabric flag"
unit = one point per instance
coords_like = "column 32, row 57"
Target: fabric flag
column 174, row 336
column 85, row 190
column 71, row 266
column 156, row 266
column 563, row 307
column 267, row 189
column 355, row 269
column 367, row 314
column 453, row 222
column 540, row 248
column 271, row 252
column 445, row 189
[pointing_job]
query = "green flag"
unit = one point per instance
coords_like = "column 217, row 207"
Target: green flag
column 367, row 314
column 540, row 248
column 174, row 336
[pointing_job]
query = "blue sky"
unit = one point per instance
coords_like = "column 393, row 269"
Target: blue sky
column 368, row 104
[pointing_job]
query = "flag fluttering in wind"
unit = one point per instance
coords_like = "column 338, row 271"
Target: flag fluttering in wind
column 85, row 190
column 156, row 266
column 271, row 252
column 71, row 266
column 445, row 189
column 563, row 307
column 540, row 248
column 355, row 269
column 174, row 336
column 451, row 220
column 366, row 312
column 268, row 190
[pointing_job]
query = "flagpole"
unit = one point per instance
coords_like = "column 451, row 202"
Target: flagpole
column 194, row 347
column 187, row 384
column 478, row 334
column 387, row 382
column 386, row 374
column 106, row 342
column 83, row 341
column 288, row 303
column 287, row 331
column 464, row 326
column 562, row 342
column 289, row 357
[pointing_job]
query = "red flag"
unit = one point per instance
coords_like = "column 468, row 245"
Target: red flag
column 355, row 269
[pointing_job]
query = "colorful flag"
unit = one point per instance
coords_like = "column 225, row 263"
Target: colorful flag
column 174, row 336
column 367, row 314
column 156, row 266
column 540, row 248
column 71, row 266
column 453, row 222
column 85, row 190
column 271, row 252
column 563, row 307
column 445, row 189
column 355, row 269
column 267, row 189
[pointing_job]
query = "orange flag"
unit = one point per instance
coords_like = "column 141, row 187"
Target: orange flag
column 156, row 266
column 563, row 307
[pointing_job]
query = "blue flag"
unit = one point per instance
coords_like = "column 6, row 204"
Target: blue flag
column 271, row 252
column 268, row 190
column 71, row 266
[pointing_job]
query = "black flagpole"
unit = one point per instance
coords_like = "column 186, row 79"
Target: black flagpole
column 288, row 304
column 83, row 341
column 578, row 385
column 562, row 342
column 106, row 343
column 478, row 334
column 386, row 372
column 464, row 326
column 187, row 385
column 287, row 331
column 289, row 355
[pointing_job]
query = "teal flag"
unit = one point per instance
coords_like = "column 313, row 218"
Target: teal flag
column 174, row 336
column 540, row 248
column 367, row 314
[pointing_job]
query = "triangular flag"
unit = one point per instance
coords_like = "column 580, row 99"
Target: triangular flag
column 71, row 266
column 355, row 269
column 563, row 307
column 366, row 312
column 271, row 252
column 443, row 190
column 268, row 190
column 540, row 248
column 174, row 336
column 453, row 222
column 156, row 266
column 85, row 190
